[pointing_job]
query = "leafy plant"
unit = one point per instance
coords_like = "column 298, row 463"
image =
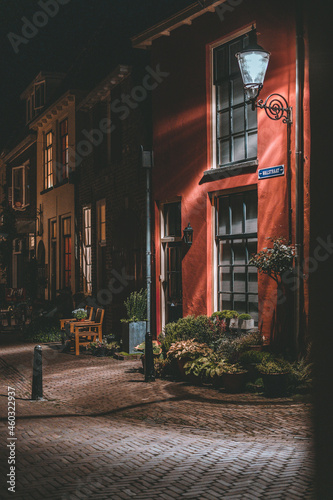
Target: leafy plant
column 276, row 260
column 136, row 307
column 252, row 357
column 244, row 316
column 79, row 313
column 42, row 330
column 156, row 347
column 188, row 349
column 273, row 365
column 300, row 377
column 103, row 348
column 232, row 368
column 225, row 314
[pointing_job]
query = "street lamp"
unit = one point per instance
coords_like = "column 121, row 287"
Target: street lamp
column 253, row 62
column 188, row 235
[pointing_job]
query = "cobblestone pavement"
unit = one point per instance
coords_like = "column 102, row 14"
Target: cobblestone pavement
column 103, row 433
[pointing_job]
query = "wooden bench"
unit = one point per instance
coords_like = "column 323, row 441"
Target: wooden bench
column 82, row 333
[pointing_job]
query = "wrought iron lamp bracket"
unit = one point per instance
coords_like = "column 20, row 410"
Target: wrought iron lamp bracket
column 276, row 107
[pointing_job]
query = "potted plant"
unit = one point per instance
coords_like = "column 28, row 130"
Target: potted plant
column 245, row 322
column 233, row 377
column 187, row 350
column 157, row 350
column 199, row 370
column 251, row 341
column 274, row 373
column 250, row 360
column 134, row 326
column 101, row 349
column 230, row 317
column 80, row 314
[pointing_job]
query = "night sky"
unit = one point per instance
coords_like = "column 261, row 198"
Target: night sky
column 85, row 37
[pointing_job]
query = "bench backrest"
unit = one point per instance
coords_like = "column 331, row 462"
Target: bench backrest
column 90, row 311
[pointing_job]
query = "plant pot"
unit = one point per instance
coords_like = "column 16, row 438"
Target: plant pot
column 252, row 372
column 232, row 323
column 133, row 334
column 247, row 324
column 234, row 382
column 217, row 381
column 275, row 384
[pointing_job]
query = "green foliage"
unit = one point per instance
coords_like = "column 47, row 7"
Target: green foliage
column 253, row 357
column 272, row 365
column 136, row 307
column 188, row 349
column 42, row 330
column 244, row 316
column 103, row 348
column 79, row 313
column 225, row 314
column 274, row 261
column 300, row 378
column 156, row 347
column 201, row 328
column 232, row 368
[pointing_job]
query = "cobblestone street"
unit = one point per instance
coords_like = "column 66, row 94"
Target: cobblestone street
column 103, row 433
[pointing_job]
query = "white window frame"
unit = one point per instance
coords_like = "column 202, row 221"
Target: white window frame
column 36, row 86
column 85, row 263
column 24, row 168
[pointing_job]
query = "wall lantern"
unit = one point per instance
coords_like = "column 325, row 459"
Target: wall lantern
column 188, row 235
column 253, row 62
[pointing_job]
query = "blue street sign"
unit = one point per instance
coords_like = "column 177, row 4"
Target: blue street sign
column 266, row 173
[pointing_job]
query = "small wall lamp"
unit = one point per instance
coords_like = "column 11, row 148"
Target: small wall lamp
column 188, row 235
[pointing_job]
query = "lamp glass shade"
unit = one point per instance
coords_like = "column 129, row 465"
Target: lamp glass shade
column 188, row 234
column 253, row 65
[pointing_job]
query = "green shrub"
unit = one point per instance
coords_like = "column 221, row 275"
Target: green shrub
column 272, row 365
column 202, row 328
column 300, row 377
column 42, row 330
column 244, row 316
column 225, row 314
column 252, row 357
column 136, row 306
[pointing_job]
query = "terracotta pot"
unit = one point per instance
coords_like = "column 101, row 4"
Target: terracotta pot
column 234, row 382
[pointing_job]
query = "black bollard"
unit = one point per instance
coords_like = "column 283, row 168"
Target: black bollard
column 37, row 375
column 149, row 359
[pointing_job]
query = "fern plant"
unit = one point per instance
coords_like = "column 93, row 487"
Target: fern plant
column 136, row 306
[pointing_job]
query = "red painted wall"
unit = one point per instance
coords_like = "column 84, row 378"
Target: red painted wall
column 181, row 124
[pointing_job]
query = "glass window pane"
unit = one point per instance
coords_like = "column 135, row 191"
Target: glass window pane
column 238, row 123
column 225, row 253
column 239, row 148
column 239, row 249
column 223, row 217
column 223, row 126
column 226, row 301
column 240, row 303
column 252, row 145
column 251, row 117
column 224, row 152
column 234, row 47
column 252, row 280
column 221, row 63
column 239, row 279
column 237, row 91
column 225, row 276
column 251, row 217
column 237, row 214
column 222, row 95
column 253, row 307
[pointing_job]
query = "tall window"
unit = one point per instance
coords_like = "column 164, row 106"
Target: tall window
column 20, row 187
column 64, row 149
column 101, row 244
column 236, row 122
column 236, row 235
column 48, row 167
column 172, row 262
column 67, row 252
column 86, row 251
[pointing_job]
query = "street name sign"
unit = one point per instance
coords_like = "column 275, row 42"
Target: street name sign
column 266, row 173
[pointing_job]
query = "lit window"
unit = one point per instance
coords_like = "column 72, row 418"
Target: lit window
column 48, row 167
column 86, row 251
column 236, row 122
column 101, row 244
column 236, row 235
column 64, row 148
column 20, row 187
column 67, row 251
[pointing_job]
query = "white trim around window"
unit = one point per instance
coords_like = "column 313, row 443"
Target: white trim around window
column 20, row 187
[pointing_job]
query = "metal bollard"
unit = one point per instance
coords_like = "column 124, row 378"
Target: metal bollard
column 37, row 375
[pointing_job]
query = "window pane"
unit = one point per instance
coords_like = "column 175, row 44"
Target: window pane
column 251, row 213
column 251, row 117
column 221, row 63
column 223, row 126
column 222, row 95
column 234, row 47
column 237, row 91
column 225, row 253
column 226, row 301
column 239, row 279
column 225, row 275
column 253, row 307
column 239, row 148
column 240, row 303
column 239, row 249
column 223, row 217
column 252, row 279
column 238, row 123
column 252, row 145
column 224, row 152
column 172, row 219
column 237, row 214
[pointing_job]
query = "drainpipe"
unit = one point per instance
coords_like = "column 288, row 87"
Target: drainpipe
column 299, row 177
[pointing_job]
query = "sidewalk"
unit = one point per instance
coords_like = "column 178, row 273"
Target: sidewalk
column 104, row 433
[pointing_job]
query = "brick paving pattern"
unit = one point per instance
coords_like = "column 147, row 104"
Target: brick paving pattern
column 102, row 433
